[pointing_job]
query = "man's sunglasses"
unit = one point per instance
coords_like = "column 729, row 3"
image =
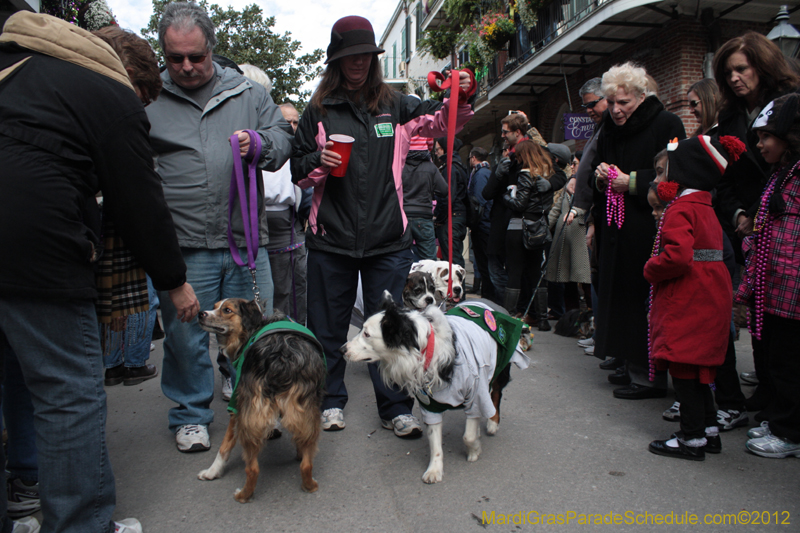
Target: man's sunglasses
column 176, row 59
column 591, row 105
column 694, row 103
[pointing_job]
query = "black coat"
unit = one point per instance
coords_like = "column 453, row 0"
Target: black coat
column 421, row 180
column 622, row 290
column 66, row 133
column 505, row 174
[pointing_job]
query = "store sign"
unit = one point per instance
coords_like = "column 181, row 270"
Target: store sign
column 577, row 126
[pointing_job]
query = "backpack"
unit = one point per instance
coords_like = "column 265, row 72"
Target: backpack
column 573, row 323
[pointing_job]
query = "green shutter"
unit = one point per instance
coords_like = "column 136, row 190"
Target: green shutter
column 394, row 60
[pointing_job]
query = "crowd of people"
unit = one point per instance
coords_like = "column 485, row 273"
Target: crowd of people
column 652, row 231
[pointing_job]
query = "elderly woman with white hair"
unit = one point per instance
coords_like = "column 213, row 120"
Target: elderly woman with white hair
column 635, row 128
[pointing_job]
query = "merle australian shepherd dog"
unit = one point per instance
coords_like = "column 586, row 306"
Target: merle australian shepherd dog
column 282, row 377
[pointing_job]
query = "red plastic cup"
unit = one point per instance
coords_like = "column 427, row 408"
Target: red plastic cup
column 342, row 145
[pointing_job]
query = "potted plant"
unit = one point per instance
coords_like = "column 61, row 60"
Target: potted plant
column 496, row 29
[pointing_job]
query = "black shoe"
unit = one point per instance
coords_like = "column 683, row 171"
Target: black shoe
column 158, row 331
column 114, row 375
column 612, row 363
column 620, row 377
column 639, row 392
column 544, row 325
column 137, row 374
column 659, row 447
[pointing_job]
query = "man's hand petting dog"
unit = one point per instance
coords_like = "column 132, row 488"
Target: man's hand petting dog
column 185, row 302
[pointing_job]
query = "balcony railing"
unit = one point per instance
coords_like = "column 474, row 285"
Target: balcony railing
column 554, row 19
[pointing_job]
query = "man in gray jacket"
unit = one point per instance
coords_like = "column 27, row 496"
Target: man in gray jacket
column 201, row 106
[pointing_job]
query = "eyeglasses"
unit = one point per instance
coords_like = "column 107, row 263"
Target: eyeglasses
column 504, row 132
column 177, row 59
column 694, row 103
column 591, row 105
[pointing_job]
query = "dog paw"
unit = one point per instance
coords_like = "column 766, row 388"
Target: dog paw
column 312, row 487
column 473, row 454
column 208, row 474
column 432, row 475
column 239, row 497
column 492, row 427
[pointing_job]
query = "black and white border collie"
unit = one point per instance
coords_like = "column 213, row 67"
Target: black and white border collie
column 419, row 352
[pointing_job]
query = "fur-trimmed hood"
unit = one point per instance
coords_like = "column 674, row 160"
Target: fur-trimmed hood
column 60, row 39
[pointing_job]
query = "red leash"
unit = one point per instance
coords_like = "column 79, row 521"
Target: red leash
column 437, row 82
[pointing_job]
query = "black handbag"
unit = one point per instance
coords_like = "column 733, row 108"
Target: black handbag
column 536, row 233
column 474, row 212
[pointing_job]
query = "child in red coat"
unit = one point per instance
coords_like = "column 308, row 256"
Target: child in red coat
column 691, row 291
column 771, row 284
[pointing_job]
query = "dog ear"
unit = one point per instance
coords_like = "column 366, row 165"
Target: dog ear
column 251, row 315
column 387, row 302
column 397, row 329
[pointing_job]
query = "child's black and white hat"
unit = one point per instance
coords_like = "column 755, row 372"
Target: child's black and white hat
column 781, row 118
column 699, row 162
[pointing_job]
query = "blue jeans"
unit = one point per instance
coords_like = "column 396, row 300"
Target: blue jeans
column 459, row 234
column 498, row 275
column 424, row 246
column 132, row 345
column 62, row 365
column 18, row 415
column 187, row 373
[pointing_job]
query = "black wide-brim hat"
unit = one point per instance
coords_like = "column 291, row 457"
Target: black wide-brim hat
column 351, row 36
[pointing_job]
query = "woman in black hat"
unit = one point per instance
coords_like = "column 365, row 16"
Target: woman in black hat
column 357, row 225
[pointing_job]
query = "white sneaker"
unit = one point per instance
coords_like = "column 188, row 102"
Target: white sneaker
column 28, row 525
column 673, row 414
column 227, row 388
column 404, row 426
column 192, row 438
column 129, row 525
column 589, row 350
column 585, row 343
column 332, row 419
column 759, row 431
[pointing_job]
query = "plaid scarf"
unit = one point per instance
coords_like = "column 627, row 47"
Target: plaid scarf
column 121, row 282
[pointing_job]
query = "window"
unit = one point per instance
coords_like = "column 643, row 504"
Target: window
column 407, row 40
column 419, row 20
column 403, row 44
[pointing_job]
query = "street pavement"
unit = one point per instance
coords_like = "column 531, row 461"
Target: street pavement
column 565, row 448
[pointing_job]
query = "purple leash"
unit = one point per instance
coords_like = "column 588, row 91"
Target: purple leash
column 249, row 212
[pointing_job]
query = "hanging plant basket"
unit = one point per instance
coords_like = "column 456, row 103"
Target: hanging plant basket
column 439, row 42
column 496, row 29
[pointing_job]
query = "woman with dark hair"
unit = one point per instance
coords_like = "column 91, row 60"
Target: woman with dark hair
column 357, row 225
column 525, row 201
column 750, row 71
column 703, row 97
column 635, row 129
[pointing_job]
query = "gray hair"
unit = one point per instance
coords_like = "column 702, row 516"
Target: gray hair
column 185, row 16
column 630, row 78
column 257, row 75
column 593, row 86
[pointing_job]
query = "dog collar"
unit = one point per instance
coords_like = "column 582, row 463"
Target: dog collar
column 429, row 349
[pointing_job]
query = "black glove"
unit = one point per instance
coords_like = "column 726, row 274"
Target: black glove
column 542, row 185
column 503, row 167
